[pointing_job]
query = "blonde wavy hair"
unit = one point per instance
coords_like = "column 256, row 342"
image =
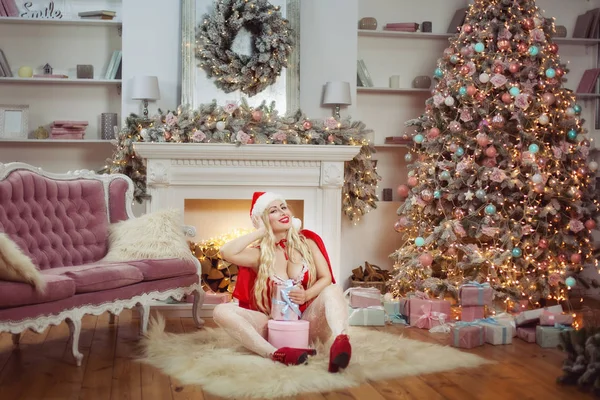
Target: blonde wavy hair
column 295, row 244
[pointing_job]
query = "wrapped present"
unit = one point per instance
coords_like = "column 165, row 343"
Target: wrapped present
column 394, row 311
column 426, row 313
column 368, row 316
column 551, row 319
column 529, row 316
column 363, row 297
column 471, row 313
column 476, row 294
column 282, row 307
column 549, row 336
column 495, row 332
column 467, row 335
column 526, row 333
column 507, row 320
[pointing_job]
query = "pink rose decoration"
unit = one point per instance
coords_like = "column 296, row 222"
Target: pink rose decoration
column 230, row 107
column 527, row 157
column 280, row 136
column 171, row 119
column 498, row 175
column 198, row 136
column 522, row 101
column 489, row 162
column 504, row 34
column 467, row 51
column 331, row 138
column 462, row 166
column 243, row 137
column 471, row 67
column 585, row 151
column 498, row 80
column 554, row 279
column 438, row 99
column 307, row 125
column 576, row 225
column 538, row 35
column 257, row 115
column 465, row 115
column 331, row 123
column 459, row 230
column 489, row 231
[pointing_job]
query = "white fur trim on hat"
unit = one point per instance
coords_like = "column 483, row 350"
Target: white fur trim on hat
column 297, row 223
column 263, row 202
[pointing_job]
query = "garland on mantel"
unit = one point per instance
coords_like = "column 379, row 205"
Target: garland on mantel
column 241, row 124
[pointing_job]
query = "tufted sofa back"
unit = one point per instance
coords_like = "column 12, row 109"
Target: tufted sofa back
column 56, row 222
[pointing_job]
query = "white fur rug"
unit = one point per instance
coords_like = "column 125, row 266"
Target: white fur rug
column 212, row 359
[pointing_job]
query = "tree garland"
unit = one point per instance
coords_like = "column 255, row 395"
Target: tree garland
column 245, row 125
column 271, row 45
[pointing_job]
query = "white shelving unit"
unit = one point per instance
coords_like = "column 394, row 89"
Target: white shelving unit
column 83, row 22
column 61, row 81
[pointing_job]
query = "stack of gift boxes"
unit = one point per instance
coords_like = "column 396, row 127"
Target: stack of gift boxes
column 365, row 307
column 543, row 325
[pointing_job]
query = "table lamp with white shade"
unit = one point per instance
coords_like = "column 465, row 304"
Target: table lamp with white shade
column 145, row 88
column 337, row 93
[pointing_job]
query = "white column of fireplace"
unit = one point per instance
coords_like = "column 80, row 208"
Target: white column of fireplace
column 314, row 174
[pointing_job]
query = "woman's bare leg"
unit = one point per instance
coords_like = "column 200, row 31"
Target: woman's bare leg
column 246, row 326
column 327, row 314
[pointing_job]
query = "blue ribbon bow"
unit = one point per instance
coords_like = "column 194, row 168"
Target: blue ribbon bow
column 287, row 303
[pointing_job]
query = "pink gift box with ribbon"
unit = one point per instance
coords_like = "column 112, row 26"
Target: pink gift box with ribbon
column 364, row 297
column 282, row 307
column 467, row 335
column 426, row 313
column 471, row 313
column 551, row 319
column 526, row 333
column 476, row 294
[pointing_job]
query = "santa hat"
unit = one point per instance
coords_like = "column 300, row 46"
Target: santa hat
column 260, row 202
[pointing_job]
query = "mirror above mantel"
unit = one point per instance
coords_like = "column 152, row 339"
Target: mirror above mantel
column 197, row 88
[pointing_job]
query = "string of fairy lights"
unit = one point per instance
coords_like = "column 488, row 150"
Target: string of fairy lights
column 501, row 191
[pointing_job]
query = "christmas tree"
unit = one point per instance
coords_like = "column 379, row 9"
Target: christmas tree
column 499, row 189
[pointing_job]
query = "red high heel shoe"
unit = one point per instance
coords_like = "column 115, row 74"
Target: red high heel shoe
column 340, row 353
column 291, row 356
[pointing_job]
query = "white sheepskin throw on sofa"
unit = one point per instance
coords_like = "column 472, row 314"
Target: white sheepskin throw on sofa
column 152, row 236
column 17, row 266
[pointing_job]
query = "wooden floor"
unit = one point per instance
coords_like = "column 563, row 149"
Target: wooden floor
column 43, row 368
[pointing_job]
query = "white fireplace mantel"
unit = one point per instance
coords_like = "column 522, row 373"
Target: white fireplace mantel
column 312, row 173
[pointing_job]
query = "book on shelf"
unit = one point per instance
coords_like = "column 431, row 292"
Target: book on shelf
column 413, row 25
column 363, row 74
column 397, row 140
column 3, row 12
column 113, row 64
column 583, row 25
column 98, row 13
column 400, row 29
column 10, row 7
column 588, row 81
column 6, row 72
column 595, row 24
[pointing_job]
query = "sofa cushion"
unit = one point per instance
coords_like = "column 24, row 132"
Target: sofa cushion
column 164, row 268
column 99, row 276
column 13, row 294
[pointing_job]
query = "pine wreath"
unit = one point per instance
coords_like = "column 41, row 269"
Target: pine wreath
column 271, row 45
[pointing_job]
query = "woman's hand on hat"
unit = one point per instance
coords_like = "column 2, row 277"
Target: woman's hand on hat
column 298, row 295
column 259, row 224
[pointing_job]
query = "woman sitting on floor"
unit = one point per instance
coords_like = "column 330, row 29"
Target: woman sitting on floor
column 282, row 252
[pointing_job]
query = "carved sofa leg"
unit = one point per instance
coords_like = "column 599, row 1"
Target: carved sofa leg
column 197, row 306
column 144, row 311
column 75, row 328
column 16, row 338
column 111, row 318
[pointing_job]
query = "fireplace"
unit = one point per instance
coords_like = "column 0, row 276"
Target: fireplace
column 197, row 177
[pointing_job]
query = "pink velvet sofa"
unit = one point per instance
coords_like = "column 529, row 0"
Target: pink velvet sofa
column 61, row 222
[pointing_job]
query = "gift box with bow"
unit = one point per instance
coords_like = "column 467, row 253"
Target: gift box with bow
column 368, row 316
column 476, row 294
column 363, row 297
column 467, row 335
column 426, row 313
column 495, row 332
column 551, row 319
column 549, row 336
column 282, row 307
column 529, row 316
column 396, row 311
